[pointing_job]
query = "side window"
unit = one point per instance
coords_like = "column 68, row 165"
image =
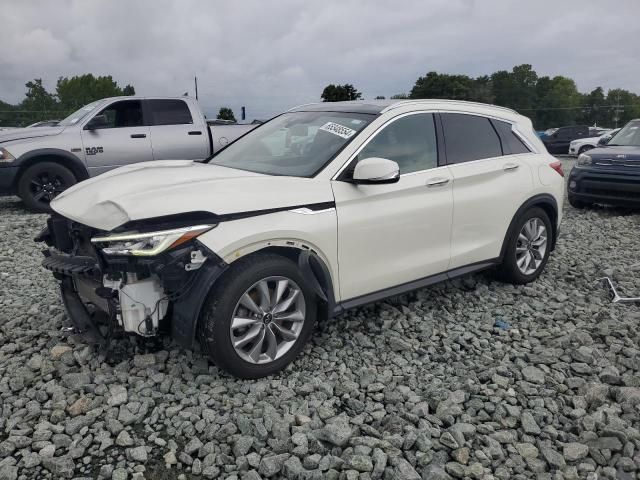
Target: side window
column 511, row 143
column 469, row 137
column 126, row 113
column 169, row 112
column 409, row 141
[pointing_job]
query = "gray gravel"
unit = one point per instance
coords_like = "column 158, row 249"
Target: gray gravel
column 420, row 387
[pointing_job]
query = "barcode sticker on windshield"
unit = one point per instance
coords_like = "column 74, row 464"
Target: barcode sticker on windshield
column 337, row 129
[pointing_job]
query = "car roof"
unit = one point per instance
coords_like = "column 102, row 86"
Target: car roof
column 377, row 107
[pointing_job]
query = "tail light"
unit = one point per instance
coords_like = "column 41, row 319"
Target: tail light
column 557, row 166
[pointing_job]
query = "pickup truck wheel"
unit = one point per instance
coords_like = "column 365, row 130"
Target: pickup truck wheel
column 259, row 317
column 42, row 182
column 528, row 247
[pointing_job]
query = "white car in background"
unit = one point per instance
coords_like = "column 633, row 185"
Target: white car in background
column 323, row 208
column 581, row 145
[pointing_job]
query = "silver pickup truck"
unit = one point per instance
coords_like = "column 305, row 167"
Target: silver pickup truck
column 38, row 163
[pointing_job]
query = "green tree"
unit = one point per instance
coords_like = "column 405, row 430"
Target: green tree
column 622, row 107
column 399, row 96
column 37, row 105
column 79, row 90
column 339, row 93
column 559, row 103
column 226, row 113
column 515, row 89
column 380, row 97
column 442, row 85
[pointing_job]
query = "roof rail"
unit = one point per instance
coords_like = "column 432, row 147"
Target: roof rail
column 443, row 100
column 302, row 105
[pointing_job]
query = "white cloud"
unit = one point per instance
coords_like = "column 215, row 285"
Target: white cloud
column 272, row 55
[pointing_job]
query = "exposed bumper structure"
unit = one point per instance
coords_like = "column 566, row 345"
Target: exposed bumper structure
column 138, row 295
column 597, row 185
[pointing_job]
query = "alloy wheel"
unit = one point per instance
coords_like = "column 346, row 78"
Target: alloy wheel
column 531, row 246
column 267, row 320
column 45, row 187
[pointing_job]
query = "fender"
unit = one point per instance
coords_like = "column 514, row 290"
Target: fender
column 547, row 202
column 317, row 274
column 70, row 160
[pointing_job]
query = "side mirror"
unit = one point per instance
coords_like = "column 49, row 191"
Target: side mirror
column 97, row 122
column 374, row 171
column 604, row 140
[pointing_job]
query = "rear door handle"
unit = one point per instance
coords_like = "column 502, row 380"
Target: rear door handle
column 437, row 182
column 195, row 132
column 510, row 166
column 138, row 135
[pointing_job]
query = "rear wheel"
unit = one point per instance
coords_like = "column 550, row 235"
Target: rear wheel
column 528, row 248
column 259, row 317
column 42, row 182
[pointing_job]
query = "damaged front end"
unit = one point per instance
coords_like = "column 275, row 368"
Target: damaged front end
column 141, row 280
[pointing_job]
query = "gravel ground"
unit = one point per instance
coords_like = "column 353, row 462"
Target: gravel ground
column 425, row 386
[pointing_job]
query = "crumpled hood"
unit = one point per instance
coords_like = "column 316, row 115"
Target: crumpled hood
column 169, row 187
column 34, row 132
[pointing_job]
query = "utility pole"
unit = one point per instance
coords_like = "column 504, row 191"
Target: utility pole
column 618, row 110
column 195, row 80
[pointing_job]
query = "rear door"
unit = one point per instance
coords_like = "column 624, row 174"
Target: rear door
column 489, row 185
column 124, row 140
column 177, row 133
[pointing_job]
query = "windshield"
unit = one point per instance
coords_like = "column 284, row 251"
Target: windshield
column 297, row 144
column 78, row 115
column 628, row 136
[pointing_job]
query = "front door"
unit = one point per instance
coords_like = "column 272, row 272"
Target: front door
column 392, row 234
column 124, row 140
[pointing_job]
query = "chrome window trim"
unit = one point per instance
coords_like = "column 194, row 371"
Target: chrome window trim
column 520, row 136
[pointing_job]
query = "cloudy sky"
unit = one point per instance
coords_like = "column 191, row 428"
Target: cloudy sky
column 271, row 55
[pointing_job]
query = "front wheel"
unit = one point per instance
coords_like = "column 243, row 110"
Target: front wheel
column 42, row 182
column 259, row 317
column 528, row 248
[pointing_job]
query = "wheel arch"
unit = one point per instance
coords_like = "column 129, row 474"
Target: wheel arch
column 313, row 268
column 56, row 155
column 544, row 201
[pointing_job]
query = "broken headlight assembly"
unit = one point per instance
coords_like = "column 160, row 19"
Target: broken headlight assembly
column 584, row 160
column 147, row 244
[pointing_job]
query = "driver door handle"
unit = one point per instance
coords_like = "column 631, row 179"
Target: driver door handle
column 437, row 182
column 510, row 166
column 138, row 135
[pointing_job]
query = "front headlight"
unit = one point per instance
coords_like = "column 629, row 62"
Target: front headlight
column 5, row 156
column 584, row 160
column 148, row 244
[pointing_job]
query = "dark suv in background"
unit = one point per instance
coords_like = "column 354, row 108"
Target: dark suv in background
column 558, row 142
column 609, row 174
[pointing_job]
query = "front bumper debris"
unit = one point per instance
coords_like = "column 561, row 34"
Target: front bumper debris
column 143, row 295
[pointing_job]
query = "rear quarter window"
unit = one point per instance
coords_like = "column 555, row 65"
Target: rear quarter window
column 511, row 143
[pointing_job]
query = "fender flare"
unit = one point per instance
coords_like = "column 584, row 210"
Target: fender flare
column 55, row 154
column 544, row 200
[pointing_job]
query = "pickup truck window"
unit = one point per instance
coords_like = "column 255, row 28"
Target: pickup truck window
column 79, row 114
column 168, row 112
column 297, row 144
column 126, row 113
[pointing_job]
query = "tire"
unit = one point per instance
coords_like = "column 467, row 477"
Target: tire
column 584, row 148
column 42, row 182
column 575, row 203
column 225, row 302
column 510, row 271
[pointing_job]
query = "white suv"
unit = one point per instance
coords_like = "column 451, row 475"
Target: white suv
column 323, row 208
